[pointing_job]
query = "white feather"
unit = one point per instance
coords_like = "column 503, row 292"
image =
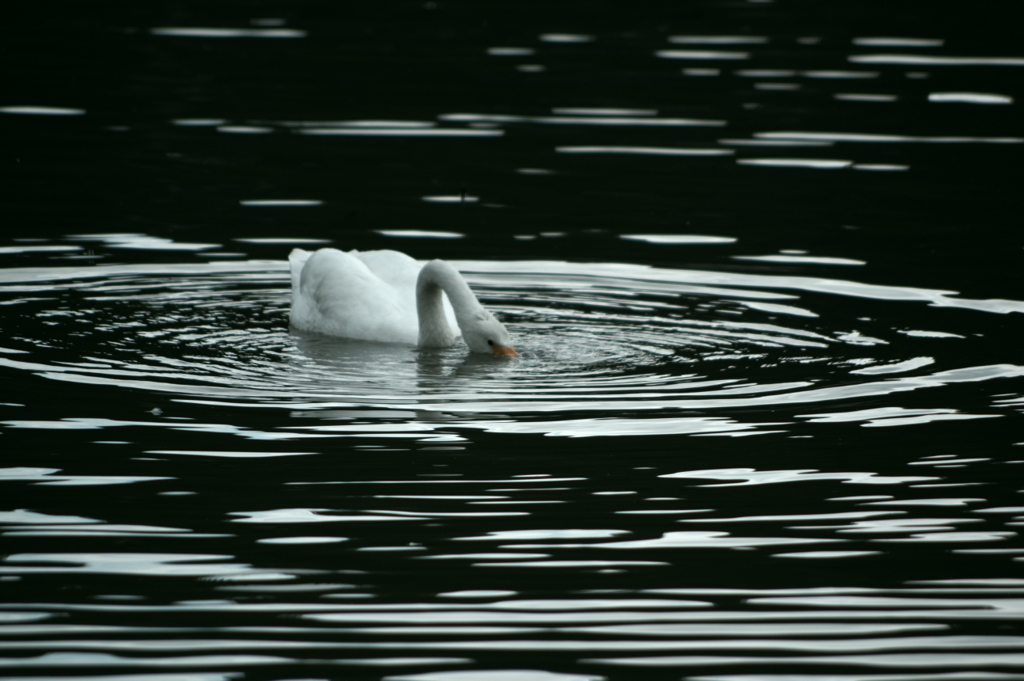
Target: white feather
column 378, row 296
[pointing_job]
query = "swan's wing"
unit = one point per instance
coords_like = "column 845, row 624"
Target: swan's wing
column 394, row 268
column 401, row 272
column 337, row 294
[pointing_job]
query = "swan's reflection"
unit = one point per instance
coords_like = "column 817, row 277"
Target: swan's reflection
column 391, row 362
column 346, row 353
column 406, row 376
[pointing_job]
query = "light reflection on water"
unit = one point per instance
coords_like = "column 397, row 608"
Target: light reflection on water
column 192, row 492
column 627, row 350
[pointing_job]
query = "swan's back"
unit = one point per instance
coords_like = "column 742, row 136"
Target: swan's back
column 367, row 296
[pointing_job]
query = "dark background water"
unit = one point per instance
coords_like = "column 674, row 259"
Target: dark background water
column 189, row 490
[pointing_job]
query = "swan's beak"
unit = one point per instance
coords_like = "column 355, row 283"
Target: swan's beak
column 508, row 351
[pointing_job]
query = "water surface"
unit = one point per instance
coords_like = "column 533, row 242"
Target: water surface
column 760, row 262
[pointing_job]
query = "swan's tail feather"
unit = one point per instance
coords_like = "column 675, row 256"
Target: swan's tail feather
column 297, row 260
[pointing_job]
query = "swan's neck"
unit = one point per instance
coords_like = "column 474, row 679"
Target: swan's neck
column 435, row 277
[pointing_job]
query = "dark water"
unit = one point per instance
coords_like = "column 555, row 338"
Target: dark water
column 761, row 261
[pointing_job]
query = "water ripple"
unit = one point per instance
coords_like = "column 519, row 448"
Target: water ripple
column 607, row 349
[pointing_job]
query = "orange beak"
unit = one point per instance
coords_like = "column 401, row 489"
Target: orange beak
column 507, row 351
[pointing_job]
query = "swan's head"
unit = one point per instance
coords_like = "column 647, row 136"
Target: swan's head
column 483, row 333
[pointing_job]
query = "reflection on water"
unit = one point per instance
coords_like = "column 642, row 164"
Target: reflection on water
column 700, row 224
column 626, row 350
column 412, row 545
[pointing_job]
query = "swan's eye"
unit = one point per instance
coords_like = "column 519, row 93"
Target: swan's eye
column 490, row 342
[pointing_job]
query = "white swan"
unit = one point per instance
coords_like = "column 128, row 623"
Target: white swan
column 387, row 296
